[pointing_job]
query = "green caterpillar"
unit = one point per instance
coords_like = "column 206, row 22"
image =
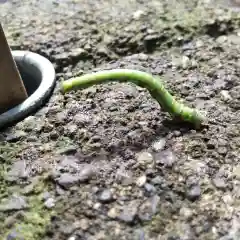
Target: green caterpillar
column 142, row 79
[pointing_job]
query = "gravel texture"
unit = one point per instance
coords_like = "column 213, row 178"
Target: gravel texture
column 106, row 162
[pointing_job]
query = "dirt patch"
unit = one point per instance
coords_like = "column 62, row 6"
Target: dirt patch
column 106, row 162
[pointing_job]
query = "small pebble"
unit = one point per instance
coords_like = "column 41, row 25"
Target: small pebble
column 149, row 208
column 225, row 96
column 71, row 129
column 194, row 63
column 159, row 145
column 66, row 228
column 81, row 119
column 138, row 14
column 185, row 212
column 68, row 164
column 140, row 234
column 129, row 212
column 101, row 235
column 228, row 199
column 15, row 203
column 59, row 190
column 105, row 196
column 157, row 180
column 141, row 181
column 199, row 43
column 124, row 177
column 17, row 171
column 84, row 224
column 194, row 193
column 221, row 39
column 14, row 235
column 219, row 183
column 97, row 206
column 103, row 51
column 66, row 180
column 49, row 203
column 166, row 157
column 145, row 158
column 236, row 172
column 86, row 173
column 185, row 62
column 46, row 196
column 235, row 39
column 72, row 238
column 112, row 213
column 150, row 188
column 78, row 53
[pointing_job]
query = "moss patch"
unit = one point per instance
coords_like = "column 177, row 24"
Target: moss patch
column 36, row 217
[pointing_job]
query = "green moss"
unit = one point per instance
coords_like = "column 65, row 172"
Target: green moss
column 36, row 217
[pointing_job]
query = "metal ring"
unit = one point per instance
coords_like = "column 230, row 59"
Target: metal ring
column 42, row 72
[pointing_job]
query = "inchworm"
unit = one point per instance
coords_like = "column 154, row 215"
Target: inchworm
column 155, row 87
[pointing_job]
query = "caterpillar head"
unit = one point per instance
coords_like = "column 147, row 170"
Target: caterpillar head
column 198, row 118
